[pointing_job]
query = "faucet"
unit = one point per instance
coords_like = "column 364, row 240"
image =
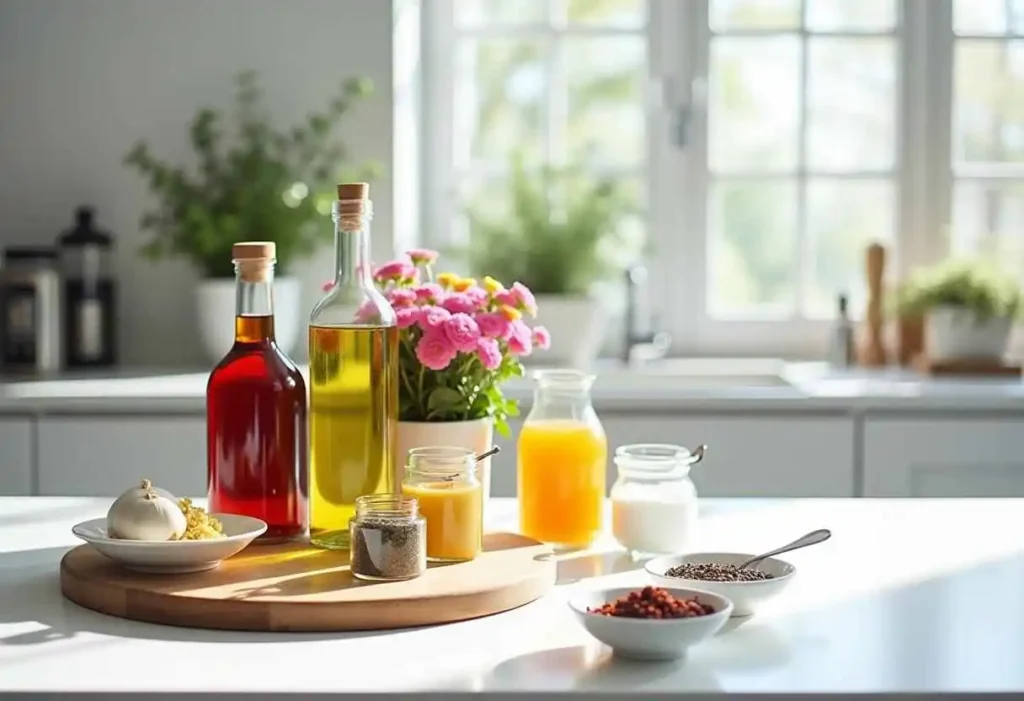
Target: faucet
column 655, row 343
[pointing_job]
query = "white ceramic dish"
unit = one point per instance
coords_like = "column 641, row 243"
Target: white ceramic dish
column 746, row 597
column 642, row 639
column 173, row 557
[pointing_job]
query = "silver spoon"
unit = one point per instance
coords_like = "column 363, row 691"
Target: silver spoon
column 696, row 456
column 493, row 451
column 812, row 538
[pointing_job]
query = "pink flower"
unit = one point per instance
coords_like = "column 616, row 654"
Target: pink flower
column 462, row 331
column 524, row 298
column 506, row 298
column 327, row 286
column 520, row 341
column 407, row 316
column 494, row 325
column 422, row 256
column 367, row 311
column 429, row 292
column 478, row 296
column 434, row 351
column 459, row 302
column 489, row 353
column 541, row 337
column 395, row 270
column 401, row 297
column 433, row 317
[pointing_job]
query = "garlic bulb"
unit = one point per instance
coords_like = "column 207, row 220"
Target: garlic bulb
column 146, row 513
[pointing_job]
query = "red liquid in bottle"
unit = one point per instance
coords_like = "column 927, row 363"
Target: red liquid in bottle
column 256, row 433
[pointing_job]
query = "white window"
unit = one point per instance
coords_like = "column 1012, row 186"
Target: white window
column 769, row 141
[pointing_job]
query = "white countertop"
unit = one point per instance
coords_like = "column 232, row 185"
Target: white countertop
column 803, row 387
column 908, row 596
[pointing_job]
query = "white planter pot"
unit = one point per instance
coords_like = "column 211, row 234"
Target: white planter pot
column 476, row 435
column 958, row 334
column 577, row 326
column 215, row 307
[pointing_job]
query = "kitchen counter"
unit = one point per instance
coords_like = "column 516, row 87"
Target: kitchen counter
column 908, row 596
column 783, row 387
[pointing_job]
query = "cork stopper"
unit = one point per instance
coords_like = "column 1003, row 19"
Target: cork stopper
column 353, row 205
column 254, row 260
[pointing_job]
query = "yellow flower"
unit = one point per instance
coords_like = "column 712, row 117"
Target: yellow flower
column 447, row 280
column 492, row 286
column 463, row 284
column 510, row 313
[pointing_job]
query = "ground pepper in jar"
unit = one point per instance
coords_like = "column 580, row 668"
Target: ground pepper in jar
column 716, row 572
column 653, row 603
column 388, row 538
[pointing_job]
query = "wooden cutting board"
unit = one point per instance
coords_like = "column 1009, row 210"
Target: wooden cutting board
column 301, row 588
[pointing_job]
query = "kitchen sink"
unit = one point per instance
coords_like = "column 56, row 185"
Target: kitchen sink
column 695, row 373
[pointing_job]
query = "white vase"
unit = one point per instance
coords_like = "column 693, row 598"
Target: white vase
column 577, row 326
column 476, row 435
column 215, row 307
column 959, row 334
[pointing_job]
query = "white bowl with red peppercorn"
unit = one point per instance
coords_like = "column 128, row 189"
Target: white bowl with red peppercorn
column 748, row 588
column 650, row 623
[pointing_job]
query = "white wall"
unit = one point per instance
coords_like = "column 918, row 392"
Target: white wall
column 81, row 80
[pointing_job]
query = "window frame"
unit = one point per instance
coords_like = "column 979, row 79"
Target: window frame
column 678, row 50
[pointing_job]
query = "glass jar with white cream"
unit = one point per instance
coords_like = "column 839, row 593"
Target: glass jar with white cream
column 654, row 501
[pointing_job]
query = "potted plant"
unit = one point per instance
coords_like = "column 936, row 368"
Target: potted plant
column 251, row 182
column 969, row 307
column 562, row 236
column 460, row 341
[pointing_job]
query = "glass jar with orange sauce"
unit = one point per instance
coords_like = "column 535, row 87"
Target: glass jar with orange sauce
column 562, row 456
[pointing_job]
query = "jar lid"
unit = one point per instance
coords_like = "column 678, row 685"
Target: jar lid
column 84, row 234
column 25, row 254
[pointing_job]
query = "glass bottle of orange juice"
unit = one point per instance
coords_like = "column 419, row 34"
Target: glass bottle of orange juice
column 562, row 454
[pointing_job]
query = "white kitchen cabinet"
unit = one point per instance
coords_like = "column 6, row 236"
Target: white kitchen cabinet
column 103, row 456
column 955, row 456
column 16, row 459
column 748, row 455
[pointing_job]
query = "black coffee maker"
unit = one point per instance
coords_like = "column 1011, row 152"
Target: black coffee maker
column 90, row 294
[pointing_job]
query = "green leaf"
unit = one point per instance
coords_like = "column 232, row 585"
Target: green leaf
column 443, row 400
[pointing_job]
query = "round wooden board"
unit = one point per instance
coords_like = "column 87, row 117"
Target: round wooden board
column 300, row 588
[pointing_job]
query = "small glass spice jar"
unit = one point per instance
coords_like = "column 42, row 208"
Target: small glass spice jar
column 388, row 538
column 654, row 501
column 444, row 482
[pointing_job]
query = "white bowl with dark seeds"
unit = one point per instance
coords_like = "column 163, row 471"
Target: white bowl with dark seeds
column 719, row 573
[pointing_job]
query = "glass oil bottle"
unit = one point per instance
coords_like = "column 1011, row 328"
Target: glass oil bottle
column 353, row 370
column 256, row 412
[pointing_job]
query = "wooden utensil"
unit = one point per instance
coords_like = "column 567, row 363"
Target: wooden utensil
column 873, row 352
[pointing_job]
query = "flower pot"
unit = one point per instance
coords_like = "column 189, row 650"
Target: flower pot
column 959, row 334
column 476, row 435
column 577, row 326
column 215, row 307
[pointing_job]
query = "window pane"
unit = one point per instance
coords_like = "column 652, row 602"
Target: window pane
column 478, row 12
column 843, row 217
column 611, row 13
column 752, row 246
column 754, row 14
column 989, row 97
column 851, row 15
column 500, row 99
column 605, row 78
column 988, row 16
column 754, row 104
column 851, row 108
column 988, row 217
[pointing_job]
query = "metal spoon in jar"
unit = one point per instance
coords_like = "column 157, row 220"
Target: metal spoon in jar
column 696, row 456
column 493, row 451
column 812, row 538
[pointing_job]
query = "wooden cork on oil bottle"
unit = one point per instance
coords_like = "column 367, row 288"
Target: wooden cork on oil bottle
column 872, row 352
column 255, row 260
column 353, row 205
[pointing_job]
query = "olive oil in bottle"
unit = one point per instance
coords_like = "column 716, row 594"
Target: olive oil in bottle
column 353, row 371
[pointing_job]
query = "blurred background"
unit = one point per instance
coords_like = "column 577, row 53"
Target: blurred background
column 751, row 148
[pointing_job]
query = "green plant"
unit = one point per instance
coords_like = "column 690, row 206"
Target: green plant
column 253, row 182
column 561, row 232
column 975, row 285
